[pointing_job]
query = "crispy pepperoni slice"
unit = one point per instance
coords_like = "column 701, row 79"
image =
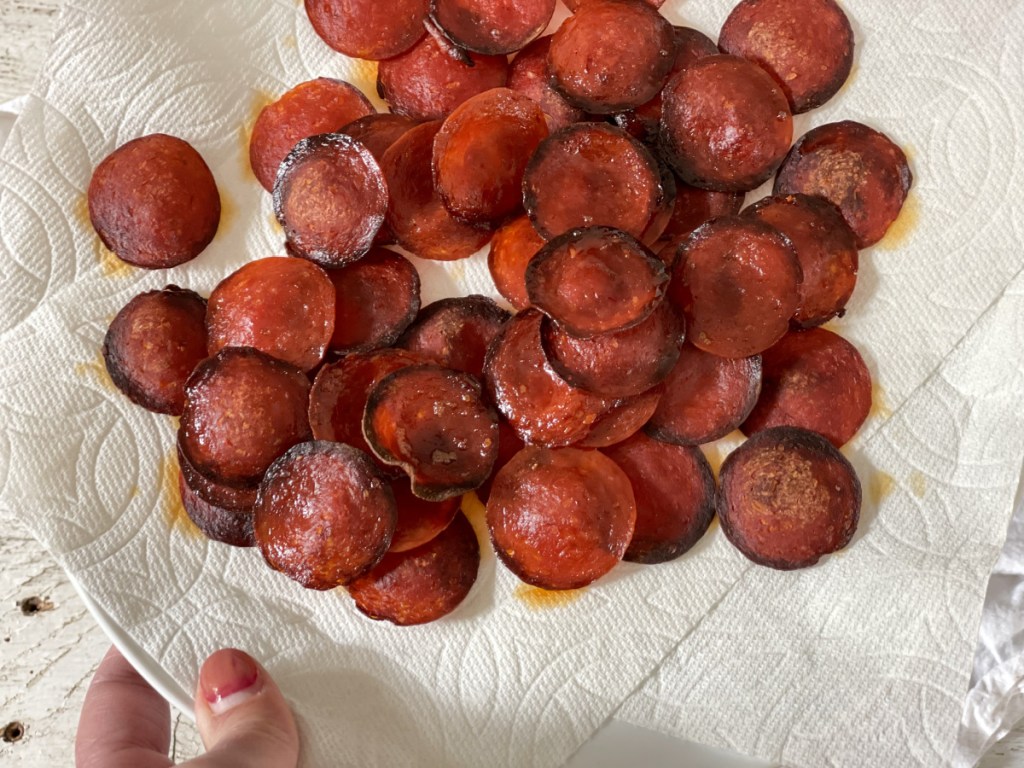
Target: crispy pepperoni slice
column 218, row 524
column 423, row 584
column 530, row 76
column 695, row 206
column 488, row 27
column 281, row 306
column 855, row 167
column 611, row 55
column 154, row 344
column 826, row 248
column 725, row 124
column 663, row 213
column 154, row 202
column 674, row 489
column 419, row 520
column 514, row 244
column 706, row 397
column 368, row 29
column 806, row 45
column 575, row 5
column 213, row 493
column 433, row 423
column 509, row 444
column 626, row 417
column 377, row 298
column 378, row 131
column 738, row 283
column 456, row 333
column 813, row 379
column 324, row 515
column 595, row 280
column 560, row 519
column 787, row 498
column 330, row 197
column 318, row 106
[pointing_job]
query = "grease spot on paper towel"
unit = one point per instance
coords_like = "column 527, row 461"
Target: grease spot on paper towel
column 918, row 484
column 879, row 405
column 96, row 369
column 275, row 225
column 259, row 100
column 881, row 486
column 174, row 511
column 228, row 214
column 902, row 229
column 290, row 42
column 110, row 265
column 544, row 599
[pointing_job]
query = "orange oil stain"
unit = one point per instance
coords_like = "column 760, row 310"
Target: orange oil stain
column 275, row 225
column 879, row 404
column 881, row 485
column 290, row 41
column 544, row 599
column 260, row 99
column 174, row 510
column 228, row 214
column 918, row 484
column 96, row 369
column 110, row 265
column 902, row 229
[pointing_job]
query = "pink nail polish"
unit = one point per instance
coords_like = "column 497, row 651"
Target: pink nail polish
column 228, row 678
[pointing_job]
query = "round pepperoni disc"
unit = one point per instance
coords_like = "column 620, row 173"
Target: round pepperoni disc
column 695, row 206
column 530, row 76
column 456, row 333
column 575, row 5
column 488, row 27
column 514, row 244
column 423, row 584
column 419, row 520
column 213, row 493
column 738, row 283
column 318, row 106
column 217, row 524
column 281, row 306
column 806, row 45
column 368, row 29
column 675, row 496
column 154, row 344
column 625, row 418
column 813, row 379
column 509, row 444
column 787, row 498
column 154, row 203
column 560, row 519
column 324, row 515
column 855, row 167
column 725, row 124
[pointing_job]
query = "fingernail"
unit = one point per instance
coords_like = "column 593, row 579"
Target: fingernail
column 228, row 678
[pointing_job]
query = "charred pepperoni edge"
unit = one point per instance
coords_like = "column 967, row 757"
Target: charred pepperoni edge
column 788, row 437
column 392, row 41
column 419, row 520
column 464, row 27
column 446, row 44
column 216, row 494
column 529, row 75
column 440, row 332
column 422, row 584
column 511, row 250
column 217, row 523
column 623, row 420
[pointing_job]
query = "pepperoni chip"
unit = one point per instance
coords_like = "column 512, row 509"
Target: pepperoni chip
column 154, row 344
column 216, row 494
column 595, row 280
column 855, row 167
column 154, row 203
column 377, row 298
column 509, row 444
column 419, row 520
column 511, row 250
column 488, row 27
column 324, row 515
column 318, row 106
column 725, row 124
column 806, row 45
column 218, row 524
column 281, row 306
column 530, row 76
column 560, row 519
column 433, row 423
column 378, row 131
column 816, row 380
column 695, row 206
column 456, row 333
column 706, row 397
column 624, row 419
column 368, row 29
column 330, row 197
column 611, row 55
column 674, row 489
column 738, row 283
column 422, row 584
column 787, row 498
column 575, row 5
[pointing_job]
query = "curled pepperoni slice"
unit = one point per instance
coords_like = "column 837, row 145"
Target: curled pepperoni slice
column 513, row 246
column 368, row 29
column 218, row 524
column 419, row 520
column 318, row 106
column 433, row 423
column 488, row 27
column 213, row 493
column 154, row 344
column 509, row 444
column 816, row 380
column 281, row 306
column 626, row 417
column 855, row 167
column 787, row 498
column 324, row 515
column 695, row 206
column 330, row 197
column 423, row 584
column 725, row 124
column 378, row 131
column 154, row 202
column 675, row 496
column 560, row 519
column 595, row 280
column 456, row 333
column 530, row 76
column 806, row 45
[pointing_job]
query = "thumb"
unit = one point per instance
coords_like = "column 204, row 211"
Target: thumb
column 242, row 716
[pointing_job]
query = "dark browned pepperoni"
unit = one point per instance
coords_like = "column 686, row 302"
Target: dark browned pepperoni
column 281, row 306
column 377, row 298
column 513, row 246
column 706, row 397
column 456, row 333
column 419, row 520
column 575, row 5
column 330, row 197
column 154, row 202
column 674, row 489
column 813, row 379
column 324, row 515
column 663, row 213
column 695, row 206
column 243, row 409
column 214, row 493
column 485, row 26
column 153, row 344
column 595, row 280
column 826, row 248
column 530, row 76
column 725, row 124
column 806, row 45
column 318, row 106
column 738, row 283
column 623, row 419
column 855, row 167
column 433, row 423
column 787, row 498
column 611, row 55
column 559, row 519
column 378, row 131
column 368, row 29
column 509, row 444
column 218, row 524
column 422, row 584
column 481, row 152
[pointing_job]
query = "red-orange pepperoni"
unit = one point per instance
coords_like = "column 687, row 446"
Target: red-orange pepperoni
column 530, row 76
column 663, row 213
column 217, row 524
column 509, row 444
column 216, row 494
column 514, row 244
column 419, row 520
column 575, row 5
column 368, row 29
column 625, row 418
column 695, row 206
column 378, row 131
column 485, row 26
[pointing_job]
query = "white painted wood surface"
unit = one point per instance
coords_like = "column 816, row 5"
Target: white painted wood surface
column 48, row 656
